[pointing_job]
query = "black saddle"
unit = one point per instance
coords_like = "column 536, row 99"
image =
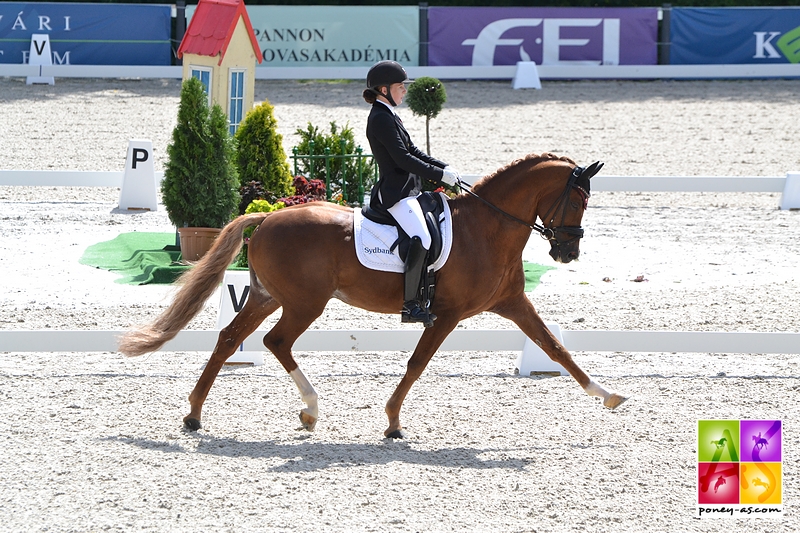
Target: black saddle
column 432, row 209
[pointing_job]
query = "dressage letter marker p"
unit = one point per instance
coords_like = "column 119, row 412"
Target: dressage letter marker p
column 138, row 190
column 140, row 155
column 235, row 289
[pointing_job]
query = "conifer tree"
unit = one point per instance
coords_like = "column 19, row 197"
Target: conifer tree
column 200, row 187
column 260, row 155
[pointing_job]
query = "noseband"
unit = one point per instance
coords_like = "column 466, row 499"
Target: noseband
column 548, row 231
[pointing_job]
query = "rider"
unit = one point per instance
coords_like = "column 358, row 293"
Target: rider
column 401, row 166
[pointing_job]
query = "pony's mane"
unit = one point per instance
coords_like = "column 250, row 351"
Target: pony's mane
column 531, row 159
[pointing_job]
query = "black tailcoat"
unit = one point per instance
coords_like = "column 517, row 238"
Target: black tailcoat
column 400, row 163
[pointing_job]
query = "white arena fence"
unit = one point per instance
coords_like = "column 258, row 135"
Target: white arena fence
column 65, row 178
column 545, row 72
column 75, row 178
column 459, row 340
column 406, row 339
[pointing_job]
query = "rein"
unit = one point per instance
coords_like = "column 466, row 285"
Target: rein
column 545, row 232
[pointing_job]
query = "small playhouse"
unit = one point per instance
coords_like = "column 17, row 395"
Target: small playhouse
column 221, row 50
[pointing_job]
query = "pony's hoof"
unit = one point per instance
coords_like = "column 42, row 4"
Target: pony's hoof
column 614, row 400
column 192, row 424
column 395, row 434
column 308, row 421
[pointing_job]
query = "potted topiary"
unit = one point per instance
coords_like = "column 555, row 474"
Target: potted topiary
column 200, row 187
column 425, row 98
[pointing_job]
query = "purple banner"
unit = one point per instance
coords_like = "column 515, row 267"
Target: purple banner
column 484, row 36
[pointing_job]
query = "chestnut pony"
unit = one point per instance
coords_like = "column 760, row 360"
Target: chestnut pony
column 300, row 257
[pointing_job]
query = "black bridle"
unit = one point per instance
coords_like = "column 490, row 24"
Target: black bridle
column 548, row 231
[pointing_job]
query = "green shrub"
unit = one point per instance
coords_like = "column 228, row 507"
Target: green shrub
column 263, row 206
column 425, row 98
column 338, row 142
column 260, row 155
column 200, row 187
column 256, row 206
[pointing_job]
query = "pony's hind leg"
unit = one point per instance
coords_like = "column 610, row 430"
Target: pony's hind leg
column 293, row 322
column 522, row 312
column 244, row 323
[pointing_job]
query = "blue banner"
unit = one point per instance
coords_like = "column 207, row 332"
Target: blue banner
column 739, row 35
column 88, row 34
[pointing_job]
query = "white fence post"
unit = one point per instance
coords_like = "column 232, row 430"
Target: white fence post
column 532, row 360
column 40, row 55
column 233, row 295
column 526, row 76
column 790, row 199
column 138, row 190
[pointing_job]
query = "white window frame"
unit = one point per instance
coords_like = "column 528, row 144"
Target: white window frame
column 233, row 123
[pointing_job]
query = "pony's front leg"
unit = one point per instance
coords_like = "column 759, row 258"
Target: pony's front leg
column 522, row 312
column 430, row 341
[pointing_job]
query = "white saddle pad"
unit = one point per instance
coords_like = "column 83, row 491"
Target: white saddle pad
column 374, row 242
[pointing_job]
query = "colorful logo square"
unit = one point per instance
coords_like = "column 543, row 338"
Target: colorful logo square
column 717, row 440
column 760, row 483
column 761, row 441
column 718, row 483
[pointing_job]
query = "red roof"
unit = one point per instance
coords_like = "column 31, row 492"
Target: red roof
column 211, row 29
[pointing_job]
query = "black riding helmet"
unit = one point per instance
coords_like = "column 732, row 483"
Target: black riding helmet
column 384, row 74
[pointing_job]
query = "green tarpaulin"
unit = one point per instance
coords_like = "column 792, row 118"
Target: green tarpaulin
column 533, row 274
column 143, row 258
column 140, row 257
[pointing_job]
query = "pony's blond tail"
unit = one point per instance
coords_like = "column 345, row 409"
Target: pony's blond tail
column 197, row 285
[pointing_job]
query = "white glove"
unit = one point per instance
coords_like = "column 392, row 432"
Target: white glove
column 450, row 176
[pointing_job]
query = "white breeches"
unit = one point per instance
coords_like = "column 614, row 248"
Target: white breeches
column 408, row 213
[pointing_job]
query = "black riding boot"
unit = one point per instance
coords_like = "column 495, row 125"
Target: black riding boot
column 413, row 311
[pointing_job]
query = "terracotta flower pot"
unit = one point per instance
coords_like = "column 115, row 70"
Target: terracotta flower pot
column 195, row 242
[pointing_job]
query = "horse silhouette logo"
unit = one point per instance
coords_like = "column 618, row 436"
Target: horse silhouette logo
column 719, row 443
column 760, row 441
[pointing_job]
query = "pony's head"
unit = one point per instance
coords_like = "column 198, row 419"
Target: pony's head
column 533, row 188
column 562, row 221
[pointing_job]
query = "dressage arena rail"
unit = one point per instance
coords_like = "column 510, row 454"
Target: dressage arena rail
column 495, row 72
column 406, row 340
column 26, row 341
column 76, row 178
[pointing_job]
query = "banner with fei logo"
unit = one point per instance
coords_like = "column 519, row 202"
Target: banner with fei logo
column 485, row 36
column 87, row 34
column 740, row 35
